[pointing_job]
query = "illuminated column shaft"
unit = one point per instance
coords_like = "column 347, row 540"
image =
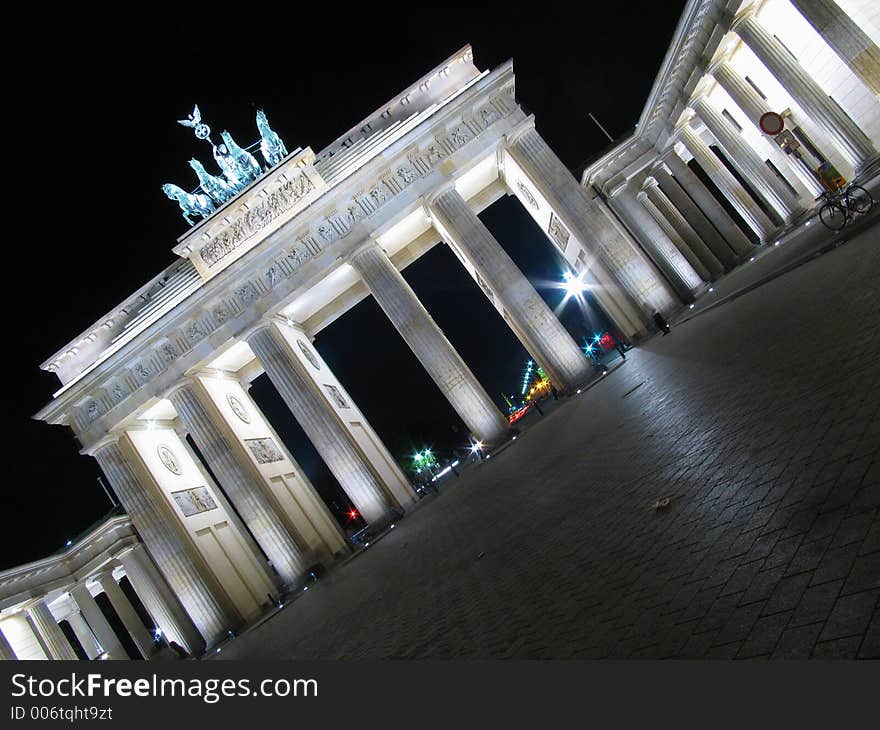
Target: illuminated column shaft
column 662, row 251
column 6, row 652
column 845, row 38
column 245, row 494
column 320, row 424
column 541, row 332
column 738, row 196
column 129, row 617
column 828, row 116
column 173, row 553
column 84, row 634
column 754, row 107
column 429, row 344
column 569, row 199
column 694, row 216
column 157, row 598
column 692, row 248
column 715, row 212
column 744, row 157
column 96, row 619
column 49, row 632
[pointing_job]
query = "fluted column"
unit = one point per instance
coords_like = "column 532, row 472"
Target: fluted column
column 540, row 331
column 96, row 619
column 845, row 38
column 428, row 343
column 694, row 216
column 173, row 553
column 320, row 424
column 623, row 274
column 694, row 250
column 662, row 251
column 157, row 598
column 129, row 617
column 856, row 148
column 753, row 106
column 51, row 636
column 6, row 652
column 84, row 634
column 744, row 157
column 708, row 203
column 735, row 193
column 246, row 495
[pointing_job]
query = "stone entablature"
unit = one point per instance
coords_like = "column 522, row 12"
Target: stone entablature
column 59, row 571
column 301, row 249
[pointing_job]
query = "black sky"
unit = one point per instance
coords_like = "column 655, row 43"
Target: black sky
column 90, row 108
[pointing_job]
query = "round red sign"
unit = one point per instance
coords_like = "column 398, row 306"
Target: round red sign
column 772, row 123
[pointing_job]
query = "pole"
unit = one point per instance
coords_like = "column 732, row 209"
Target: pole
column 604, row 131
column 106, row 491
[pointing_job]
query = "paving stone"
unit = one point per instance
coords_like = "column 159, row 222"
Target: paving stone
column 816, row 603
column 865, row 574
column 847, row 648
column 870, row 648
column 797, row 643
column 764, row 635
column 850, row 615
column 787, row 593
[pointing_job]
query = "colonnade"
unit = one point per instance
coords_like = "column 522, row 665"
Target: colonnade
column 749, row 191
column 33, row 629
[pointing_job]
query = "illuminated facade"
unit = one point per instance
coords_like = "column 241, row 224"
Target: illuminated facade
column 310, row 237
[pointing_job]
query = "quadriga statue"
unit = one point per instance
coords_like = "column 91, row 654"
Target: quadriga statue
column 219, row 190
column 271, row 146
column 191, row 204
column 246, row 164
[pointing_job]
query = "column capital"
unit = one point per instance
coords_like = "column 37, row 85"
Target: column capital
column 642, row 197
column 441, row 189
column 527, row 126
column 741, row 17
column 368, row 244
column 649, row 183
column 109, row 440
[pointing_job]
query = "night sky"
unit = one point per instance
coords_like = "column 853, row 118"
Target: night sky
column 91, row 105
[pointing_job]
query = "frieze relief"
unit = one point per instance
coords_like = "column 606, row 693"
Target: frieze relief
column 446, row 140
column 256, row 219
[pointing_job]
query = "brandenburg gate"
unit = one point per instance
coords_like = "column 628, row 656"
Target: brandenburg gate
column 274, row 254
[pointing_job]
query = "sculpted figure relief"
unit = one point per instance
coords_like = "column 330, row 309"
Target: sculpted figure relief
column 190, row 204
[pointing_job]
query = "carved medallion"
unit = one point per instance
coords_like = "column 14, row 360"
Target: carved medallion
column 264, row 450
column 527, row 194
column 167, row 457
column 309, row 355
column 238, row 408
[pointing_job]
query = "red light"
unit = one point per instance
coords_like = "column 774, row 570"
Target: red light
column 352, row 514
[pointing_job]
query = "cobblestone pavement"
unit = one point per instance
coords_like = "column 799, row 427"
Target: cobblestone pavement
column 759, row 420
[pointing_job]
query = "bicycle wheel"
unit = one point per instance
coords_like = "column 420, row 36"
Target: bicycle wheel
column 858, row 199
column 833, row 216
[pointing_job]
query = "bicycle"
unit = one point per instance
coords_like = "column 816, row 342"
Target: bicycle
column 842, row 205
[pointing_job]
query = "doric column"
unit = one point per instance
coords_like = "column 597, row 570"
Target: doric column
column 623, row 274
column 749, row 163
column 172, row 551
column 708, row 234
column 428, row 343
column 129, row 617
column 532, row 320
column 96, row 619
column 845, row 38
column 242, row 489
column 160, row 602
column 320, row 424
column 735, row 193
column 49, row 632
column 660, row 249
column 6, row 652
column 708, row 203
column 694, row 250
column 856, row 148
column 753, row 106
column 84, row 634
